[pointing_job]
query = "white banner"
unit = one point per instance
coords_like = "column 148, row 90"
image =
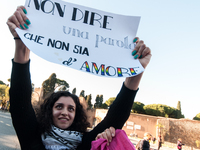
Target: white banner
column 82, row 38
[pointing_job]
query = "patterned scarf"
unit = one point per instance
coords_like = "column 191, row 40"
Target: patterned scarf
column 59, row 139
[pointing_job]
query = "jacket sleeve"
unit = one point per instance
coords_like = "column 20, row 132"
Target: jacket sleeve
column 117, row 115
column 22, row 113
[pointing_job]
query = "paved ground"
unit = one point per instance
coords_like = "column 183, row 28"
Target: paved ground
column 9, row 141
column 153, row 146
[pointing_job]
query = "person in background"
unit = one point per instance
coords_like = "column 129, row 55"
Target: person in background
column 159, row 142
column 61, row 122
column 179, row 144
column 153, row 139
column 144, row 144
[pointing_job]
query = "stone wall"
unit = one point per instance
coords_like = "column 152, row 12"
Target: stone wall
column 91, row 116
column 187, row 130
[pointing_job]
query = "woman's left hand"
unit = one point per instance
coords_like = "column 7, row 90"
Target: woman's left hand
column 142, row 52
column 108, row 134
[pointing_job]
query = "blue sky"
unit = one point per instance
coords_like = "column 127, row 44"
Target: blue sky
column 171, row 28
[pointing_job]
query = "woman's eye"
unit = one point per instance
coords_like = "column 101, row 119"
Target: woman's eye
column 71, row 109
column 58, row 106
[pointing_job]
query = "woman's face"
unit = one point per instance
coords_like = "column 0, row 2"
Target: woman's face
column 64, row 112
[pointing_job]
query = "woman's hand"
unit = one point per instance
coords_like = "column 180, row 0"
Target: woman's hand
column 108, row 134
column 19, row 19
column 143, row 53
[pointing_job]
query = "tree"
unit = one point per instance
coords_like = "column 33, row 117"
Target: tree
column 96, row 105
column 138, row 108
column 49, row 84
column 52, row 83
column 179, row 113
column 82, row 94
column 1, row 82
column 104, row 106
column 4, row 93
column 4, row 90
column 89, row 101
column 159, row 110
column 74, row 91
column 100, row 101
column 197, row 117
column 86, row 96
column 62, row 84
column 110, row 101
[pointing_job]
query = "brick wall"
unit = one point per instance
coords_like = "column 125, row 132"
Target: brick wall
column 139, row 124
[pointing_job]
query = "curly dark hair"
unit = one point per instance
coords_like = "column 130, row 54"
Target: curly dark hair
column 45, row 117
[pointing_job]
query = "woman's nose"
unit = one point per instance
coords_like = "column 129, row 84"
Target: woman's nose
column 64, row 111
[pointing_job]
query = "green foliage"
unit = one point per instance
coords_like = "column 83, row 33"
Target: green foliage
column 138, row 108
column 179, row 113
column 197, row 117
column 98, row 101
column 49, row 84
column 96, row 104
column 178, row 105
column 52, row 83
column 86, row 96
column 179, row 109
column 74, row 91
column 62, row 84
column 89, row 101
column 82, row 94
column 4, row 95
column 159, row 110
column 1, row 82
column 110, row 101
column 162, row 110
column 7, row 93
column 4, row 90
column 104, row 106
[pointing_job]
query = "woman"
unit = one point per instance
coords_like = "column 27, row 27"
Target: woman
column 179, row 144
column 61, row 123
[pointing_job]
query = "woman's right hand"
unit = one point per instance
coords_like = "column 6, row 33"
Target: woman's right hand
column 108, row 134
column 19, row 19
